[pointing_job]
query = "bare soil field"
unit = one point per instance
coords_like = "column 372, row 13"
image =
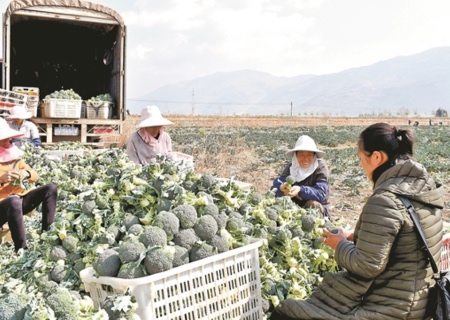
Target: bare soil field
column 348, row 212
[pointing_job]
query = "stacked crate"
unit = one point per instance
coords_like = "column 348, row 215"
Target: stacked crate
column 9, row 99
column 32, row 98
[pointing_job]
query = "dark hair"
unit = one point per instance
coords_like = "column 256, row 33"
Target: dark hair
column 396, row 143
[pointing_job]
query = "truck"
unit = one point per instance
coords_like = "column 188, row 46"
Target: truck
column 53, row 46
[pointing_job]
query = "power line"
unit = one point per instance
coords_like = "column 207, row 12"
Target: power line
column 215, row 102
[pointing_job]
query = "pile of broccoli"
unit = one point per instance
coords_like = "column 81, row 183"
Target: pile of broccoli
column 173, row 238
column 129, row 221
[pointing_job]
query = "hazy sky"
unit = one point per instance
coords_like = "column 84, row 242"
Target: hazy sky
column 175, row 40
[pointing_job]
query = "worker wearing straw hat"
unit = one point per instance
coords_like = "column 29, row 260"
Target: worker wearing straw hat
column 20, row 119
column 17, row 196
column 150, row 139
column 311, row 187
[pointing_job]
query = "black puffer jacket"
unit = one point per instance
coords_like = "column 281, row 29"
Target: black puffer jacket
column 387, row 275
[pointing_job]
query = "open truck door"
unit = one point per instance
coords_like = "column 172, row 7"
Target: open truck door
column 50, row 46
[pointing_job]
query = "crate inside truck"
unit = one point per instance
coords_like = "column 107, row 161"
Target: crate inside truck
column 52, row 46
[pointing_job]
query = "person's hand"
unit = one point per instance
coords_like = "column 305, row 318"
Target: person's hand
column 23, row 174
column 5, row 178
column 291, row 192
column 333, row 237
column 15, row 175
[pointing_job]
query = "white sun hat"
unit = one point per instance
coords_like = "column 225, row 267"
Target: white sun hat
column 18, row 112
column 6, row 132
column 306, row 143
column 151, row 117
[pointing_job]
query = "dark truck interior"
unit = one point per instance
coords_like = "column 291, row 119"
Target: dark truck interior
column 63, row 54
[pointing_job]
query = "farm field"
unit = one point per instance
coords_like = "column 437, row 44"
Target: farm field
column 107, row 205
column 251, row 149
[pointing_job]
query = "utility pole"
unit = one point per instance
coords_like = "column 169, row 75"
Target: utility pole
column 193, row 102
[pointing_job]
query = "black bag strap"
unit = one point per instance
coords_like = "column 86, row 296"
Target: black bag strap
column 415, row 219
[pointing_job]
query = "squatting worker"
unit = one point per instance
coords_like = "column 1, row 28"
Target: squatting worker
column 16, row 199
column 312, row 179
column 20, row 119
column 150, row 139
column 386, row 274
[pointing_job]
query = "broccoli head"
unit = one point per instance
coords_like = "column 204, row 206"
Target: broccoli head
column 202, row 250
column 209, row 209
column 308, row 222
column 297, row 231
column 187, row 215
column 63, row 303
column 12, row 307
column 159, row 259
column 120, row 306
column 136, row 229
column 107, row 263
column 58, row 273
column 153, row 236
column 131, row 270
column 130, row 251
column 186, row 238
column 206, row 227
column 271, row 213
column 70, row 243
column 222, row 219
column 245, row 208
column 254, row 198
column 219, row 242
column 180, row 257
column 235, row 226
column 131, row 220
column 88, row 206
column 207, row 181
column 115, row 231
column 78, row 266
column 58, row 253
column 169, row 222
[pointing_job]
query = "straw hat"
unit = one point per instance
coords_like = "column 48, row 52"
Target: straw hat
column 306, row 143
column 6, row 132
column 151, row 117
column 18, row 112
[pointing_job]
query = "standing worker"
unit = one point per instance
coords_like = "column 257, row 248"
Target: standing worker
column 20, row 119
column 150, row 139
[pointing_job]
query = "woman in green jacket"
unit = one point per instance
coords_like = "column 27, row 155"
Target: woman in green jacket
column 386, row 274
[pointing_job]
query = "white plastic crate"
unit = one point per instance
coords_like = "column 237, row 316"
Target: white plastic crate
column 9, row 99
column 445, row 254
column 224, row 286
column 98, row 109
column 30, row 91
column 66, row 130
column 241, row 184
column 186, row 159
column 33, row 110
column 62, row 108
column 63, row 154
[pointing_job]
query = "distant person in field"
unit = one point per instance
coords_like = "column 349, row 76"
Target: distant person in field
column 385, row 273
column 19, row 119
column 150, row 139
column 307, row 167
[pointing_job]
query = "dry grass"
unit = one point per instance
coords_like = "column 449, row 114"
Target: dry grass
column 239, row 161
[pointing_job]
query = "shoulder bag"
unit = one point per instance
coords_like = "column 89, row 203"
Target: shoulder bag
column 442, row 278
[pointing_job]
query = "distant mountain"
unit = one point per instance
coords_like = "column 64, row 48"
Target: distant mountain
column 419, row 84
